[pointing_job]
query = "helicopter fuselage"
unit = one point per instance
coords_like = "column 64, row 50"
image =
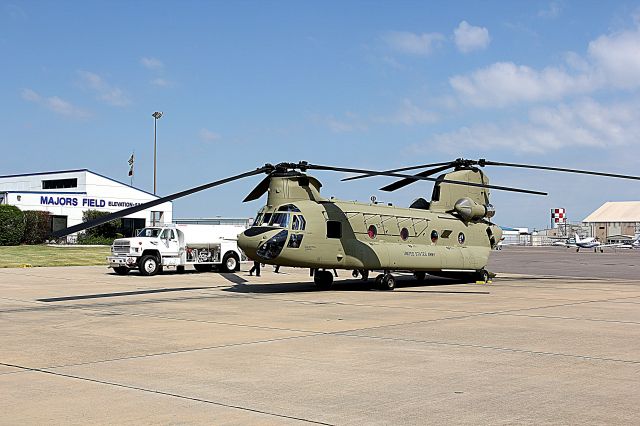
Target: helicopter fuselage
column 336, row 234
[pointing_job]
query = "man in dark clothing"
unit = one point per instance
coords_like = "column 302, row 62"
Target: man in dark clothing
column 256, row 268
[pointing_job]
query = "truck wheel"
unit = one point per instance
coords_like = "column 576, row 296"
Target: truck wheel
column 121, row 270
column 230, row 263
column 149, row 266
column 203, row 268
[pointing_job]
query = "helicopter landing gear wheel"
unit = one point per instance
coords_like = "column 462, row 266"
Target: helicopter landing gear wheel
column 386, row 282
column 419, row 276
column 323, row 279
column 482, row 275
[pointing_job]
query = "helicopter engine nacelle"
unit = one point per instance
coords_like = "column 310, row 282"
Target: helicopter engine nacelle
column 470, row 210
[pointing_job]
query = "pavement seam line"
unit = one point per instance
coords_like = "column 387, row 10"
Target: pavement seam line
column 495, row 348
column 159, row 392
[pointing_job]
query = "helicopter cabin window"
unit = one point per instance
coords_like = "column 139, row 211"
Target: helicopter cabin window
column 288, row 208
column 298, row 223
column 404, row 234
column 334, row 229
column 280, row 220
column 372, row 231
column 434, row 236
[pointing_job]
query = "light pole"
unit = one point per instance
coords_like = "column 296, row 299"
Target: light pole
column 155, row 116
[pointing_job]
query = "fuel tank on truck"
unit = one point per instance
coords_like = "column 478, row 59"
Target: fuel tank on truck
column 203, row 235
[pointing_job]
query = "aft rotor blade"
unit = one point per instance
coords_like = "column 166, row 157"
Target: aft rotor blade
column 404, row 182
column 259, row 190
column 403, row 169
column 560, row 169
column 144, row 206
column 399, row 175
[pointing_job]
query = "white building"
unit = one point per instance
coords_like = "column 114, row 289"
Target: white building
column 67, row 194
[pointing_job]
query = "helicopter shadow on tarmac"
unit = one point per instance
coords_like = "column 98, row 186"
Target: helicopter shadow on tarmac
column 404, row 283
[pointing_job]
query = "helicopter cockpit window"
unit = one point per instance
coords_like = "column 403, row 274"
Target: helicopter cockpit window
column 280, row 220
column 265, row 219
column 298, row 223
column 288, row 208
column 258, row 220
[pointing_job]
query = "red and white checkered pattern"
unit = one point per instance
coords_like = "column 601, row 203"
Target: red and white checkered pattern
column 558, row 216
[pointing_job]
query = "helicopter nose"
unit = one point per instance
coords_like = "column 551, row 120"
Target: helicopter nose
column 262, row 243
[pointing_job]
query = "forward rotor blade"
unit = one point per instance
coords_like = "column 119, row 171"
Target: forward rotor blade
column 259, row 190
column 404, row 182
column 403, row 169
column 393, row 174
column 140, row 207
column 559, row 169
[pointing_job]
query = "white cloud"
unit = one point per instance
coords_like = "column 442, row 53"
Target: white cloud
column 612, row 62
column 152, row 63
column 106, row 92
column 55, row 104
column 410, row 114
column 505, row 83
column 469, row 38
column 551, row 12
column 617, row 58
column 582, row 124
column 349, row 123
column 160, row 82
column 208, row 136
column 413, row 44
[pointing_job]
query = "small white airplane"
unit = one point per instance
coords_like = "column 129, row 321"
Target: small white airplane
column 592, row 243
column 632, row 244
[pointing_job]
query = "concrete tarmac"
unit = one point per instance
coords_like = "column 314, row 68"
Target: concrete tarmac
column 548, row 342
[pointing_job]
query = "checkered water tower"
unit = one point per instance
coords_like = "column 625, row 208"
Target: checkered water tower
column 558, row 217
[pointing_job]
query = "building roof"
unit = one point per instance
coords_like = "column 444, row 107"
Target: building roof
column 78, row 171
column 616, row 211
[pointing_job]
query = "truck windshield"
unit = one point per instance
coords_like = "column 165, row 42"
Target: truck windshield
column 149, row 232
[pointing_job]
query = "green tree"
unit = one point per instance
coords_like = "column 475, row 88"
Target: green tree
column 11, row 225
column 37, row 227
column 101, row 234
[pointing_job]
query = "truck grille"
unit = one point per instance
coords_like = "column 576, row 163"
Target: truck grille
column 120, row 247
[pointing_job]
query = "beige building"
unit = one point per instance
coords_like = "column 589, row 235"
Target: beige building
column 615, row 221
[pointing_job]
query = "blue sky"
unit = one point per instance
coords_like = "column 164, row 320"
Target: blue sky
column 357, row 84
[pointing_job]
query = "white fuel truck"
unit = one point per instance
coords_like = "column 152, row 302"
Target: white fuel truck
column 203, row 246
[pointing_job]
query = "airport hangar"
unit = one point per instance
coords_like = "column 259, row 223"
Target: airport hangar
column 67, row 194
column 615, row 221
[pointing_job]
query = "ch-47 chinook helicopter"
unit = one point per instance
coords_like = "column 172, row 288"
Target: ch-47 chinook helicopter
column 451, row 235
